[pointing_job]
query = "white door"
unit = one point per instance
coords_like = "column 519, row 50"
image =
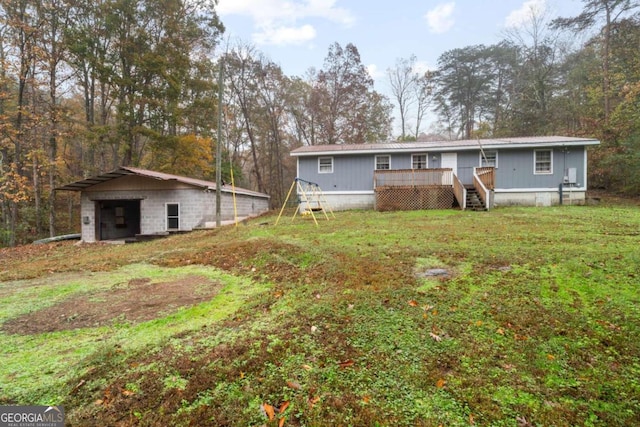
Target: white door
column 449, row 160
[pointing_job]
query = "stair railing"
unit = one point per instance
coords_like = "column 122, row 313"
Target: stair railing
column 484, row 193
column 460, row 192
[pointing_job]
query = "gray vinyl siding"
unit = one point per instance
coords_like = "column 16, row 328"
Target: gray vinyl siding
column 515, row 168
column 350, row 173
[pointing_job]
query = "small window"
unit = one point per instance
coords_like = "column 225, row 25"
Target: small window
column 173, row 216
column 490, row 159
column 325, row 165
column 543, row 162
column 120, row 218
column 383, row 162
column 419, row 161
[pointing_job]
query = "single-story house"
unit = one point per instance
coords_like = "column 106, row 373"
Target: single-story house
column 130, row 202
column 537, row 171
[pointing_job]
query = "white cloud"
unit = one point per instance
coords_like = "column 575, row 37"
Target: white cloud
column 279, row 21
column 440, row 18
column 285, row 35
column 374, row 72
column 421, row 67
column 528, row 9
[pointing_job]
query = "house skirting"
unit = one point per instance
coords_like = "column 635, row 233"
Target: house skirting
column 538, row 197
column 342, row 200
column 405, row 198
column 348, row 200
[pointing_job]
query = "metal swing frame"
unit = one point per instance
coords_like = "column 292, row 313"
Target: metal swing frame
column 311, row 197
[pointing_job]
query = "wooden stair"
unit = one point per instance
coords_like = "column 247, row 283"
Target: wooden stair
column 474, row 202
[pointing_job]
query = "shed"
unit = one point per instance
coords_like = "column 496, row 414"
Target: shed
column 130, row 202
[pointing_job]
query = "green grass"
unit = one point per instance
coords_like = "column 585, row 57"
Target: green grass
column 537, row 323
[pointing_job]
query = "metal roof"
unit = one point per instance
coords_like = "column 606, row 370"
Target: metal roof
column 125, row 171
column 459, row 145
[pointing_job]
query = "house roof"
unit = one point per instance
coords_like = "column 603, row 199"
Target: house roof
column 125, row 171
column 440, row 146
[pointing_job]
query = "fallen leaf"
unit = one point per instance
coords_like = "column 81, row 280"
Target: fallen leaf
column 80, row 384
column 551, row 357
column 294, row 385
column 441, row 382
column 346, row 363
column 435, row 336
column 306, row 367
column 413, row 303
column 500, row 331
column 127, row 393
column 313, row 401
column 281, row 422
column 269, row 411
column 98, row 402
column 478, row 322
column 366, row 399
column 283, row 406
column 472, row 421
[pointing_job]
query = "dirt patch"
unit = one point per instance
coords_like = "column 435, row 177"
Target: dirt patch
column 140, row 300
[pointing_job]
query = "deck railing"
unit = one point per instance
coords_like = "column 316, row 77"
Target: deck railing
column 413, row 177
column 487, row 175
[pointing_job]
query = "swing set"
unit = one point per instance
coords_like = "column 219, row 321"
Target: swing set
column 310, row 200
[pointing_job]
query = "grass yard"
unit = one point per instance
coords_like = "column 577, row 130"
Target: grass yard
column 515, row 317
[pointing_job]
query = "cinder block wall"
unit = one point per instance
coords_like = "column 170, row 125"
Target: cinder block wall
column 196, row 208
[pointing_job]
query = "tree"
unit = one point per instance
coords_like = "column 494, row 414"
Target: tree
column 592, row 13
column 20, row 36
column 55, row 17
column 403, row 81
column 342, row 91
column 464, row 78
column 423, row 94
column 539, row 51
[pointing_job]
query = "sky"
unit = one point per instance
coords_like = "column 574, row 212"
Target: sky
column 296, row 34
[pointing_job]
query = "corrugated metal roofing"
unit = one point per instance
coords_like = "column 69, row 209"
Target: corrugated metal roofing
column 468, row 144
column 124, row 171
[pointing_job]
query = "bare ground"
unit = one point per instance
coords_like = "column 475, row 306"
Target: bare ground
column 140, row 300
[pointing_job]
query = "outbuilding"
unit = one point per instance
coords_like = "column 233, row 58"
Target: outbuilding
column 129, row 202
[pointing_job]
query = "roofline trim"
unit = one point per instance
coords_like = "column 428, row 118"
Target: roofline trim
column 445, row 149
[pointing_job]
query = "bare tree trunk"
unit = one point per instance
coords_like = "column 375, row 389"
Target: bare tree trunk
column 37, row 194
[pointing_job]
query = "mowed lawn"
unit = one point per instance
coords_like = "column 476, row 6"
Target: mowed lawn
column 513, row 317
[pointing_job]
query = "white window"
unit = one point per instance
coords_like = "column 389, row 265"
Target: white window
column 542, row 162
column 173, row 216
column 383, row 162
column 325, row 165
column 490, row 159
column 419, row 161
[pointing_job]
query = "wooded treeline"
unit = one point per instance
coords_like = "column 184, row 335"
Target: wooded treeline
column 88, row 86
